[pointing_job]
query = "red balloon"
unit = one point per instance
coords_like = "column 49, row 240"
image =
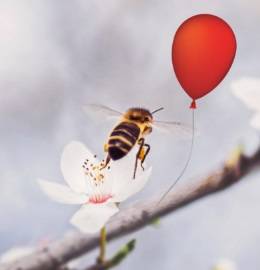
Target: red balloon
column 203, row 51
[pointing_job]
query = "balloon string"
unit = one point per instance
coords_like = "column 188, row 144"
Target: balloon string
column 187, row 162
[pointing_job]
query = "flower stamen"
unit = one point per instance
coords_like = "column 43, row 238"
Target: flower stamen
column 93, row 171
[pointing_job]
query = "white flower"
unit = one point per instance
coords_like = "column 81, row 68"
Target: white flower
column 248, row 90
column 225, row 264
column 96, row 190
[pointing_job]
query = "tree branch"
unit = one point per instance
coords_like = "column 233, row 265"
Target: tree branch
column 134, row 218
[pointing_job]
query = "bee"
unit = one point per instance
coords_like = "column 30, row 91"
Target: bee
column 132, row 128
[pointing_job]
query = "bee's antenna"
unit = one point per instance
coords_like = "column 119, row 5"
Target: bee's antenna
column 157, row 110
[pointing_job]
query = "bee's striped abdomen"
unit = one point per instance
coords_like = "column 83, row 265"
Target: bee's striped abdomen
column 122, row 139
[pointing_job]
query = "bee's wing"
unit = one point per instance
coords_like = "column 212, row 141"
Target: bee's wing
column 101, row 111
column 176, row 128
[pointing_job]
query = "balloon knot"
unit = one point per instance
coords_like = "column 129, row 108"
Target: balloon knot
column 193, row 105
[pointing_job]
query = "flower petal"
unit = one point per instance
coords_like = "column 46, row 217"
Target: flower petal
column 106, row 186
column 255, row 121
column 16, row 253
column 122, row 170
column 248, row 90
column 90, row 218
column 72, row 160
column 225, row 264
column 61, row 193
column 133, row 187
column 116, row 175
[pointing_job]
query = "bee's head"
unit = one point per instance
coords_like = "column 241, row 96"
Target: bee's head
column 139, row 115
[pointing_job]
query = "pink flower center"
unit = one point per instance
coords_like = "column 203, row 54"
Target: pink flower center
column 100, row 198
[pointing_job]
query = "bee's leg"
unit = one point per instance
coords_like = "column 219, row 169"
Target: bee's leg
column 141, row 143
column 106, row 147
column 106, row 162
column 145, row 153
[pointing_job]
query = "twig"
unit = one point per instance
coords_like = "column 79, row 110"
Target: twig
column 138, row 216
column 116, row 259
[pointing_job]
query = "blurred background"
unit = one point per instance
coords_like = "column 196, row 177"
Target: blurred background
column 57, row 56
